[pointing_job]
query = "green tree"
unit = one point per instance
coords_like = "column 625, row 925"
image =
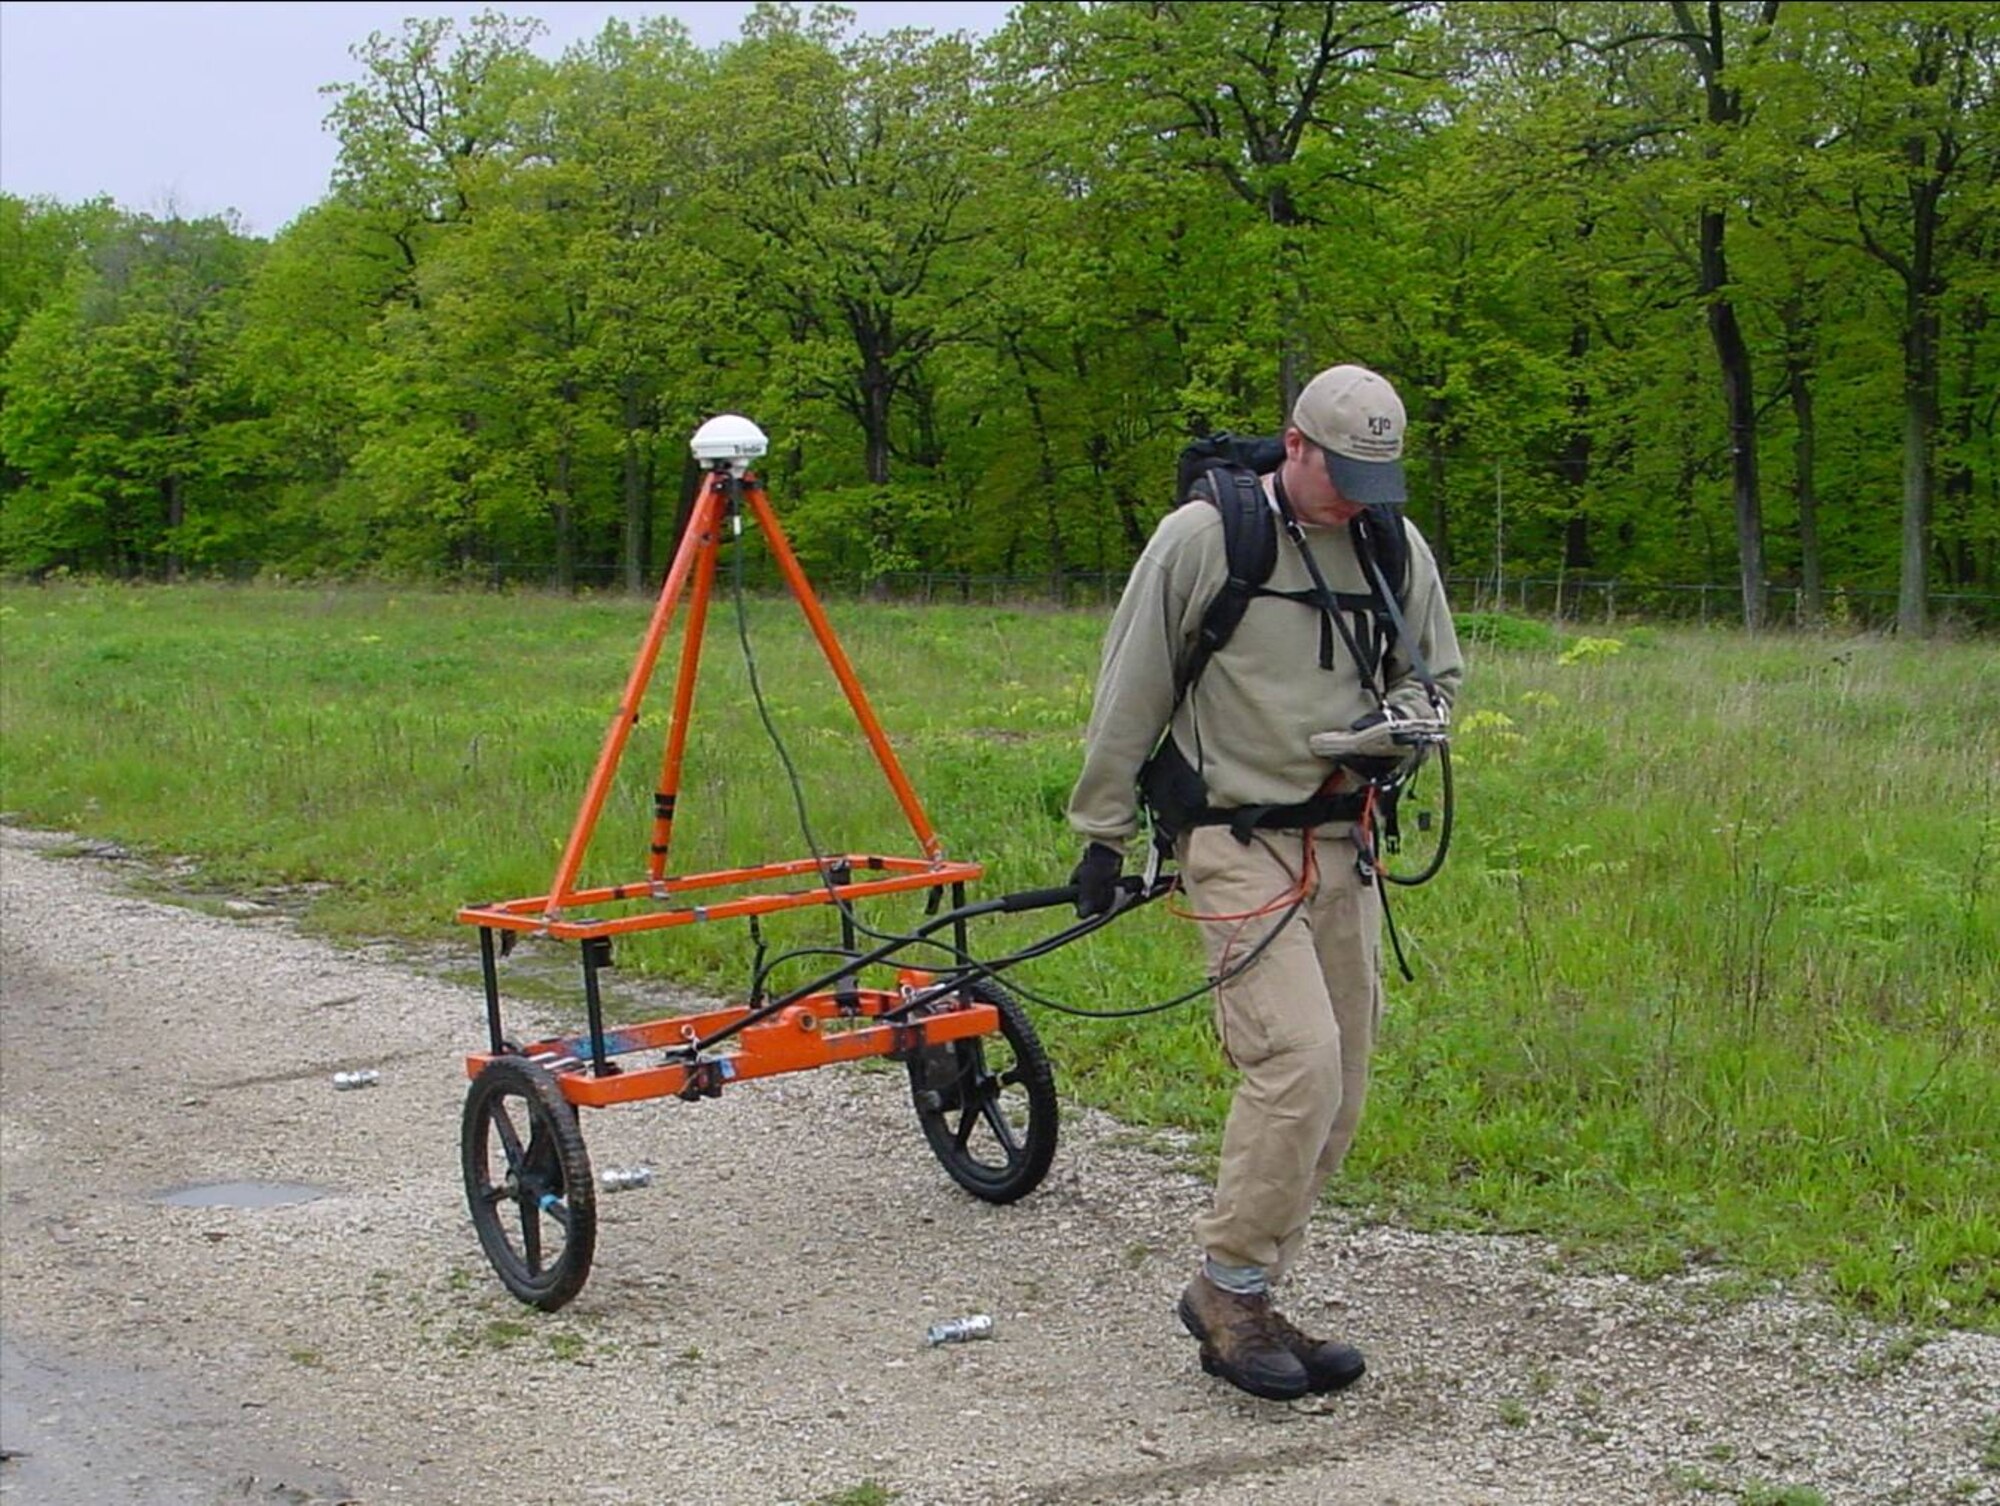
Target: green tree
column 305, row 353
column 1676, row 70
column 434, row 104
column 432, row 127
column 1289, row 112
column 123, row 407
column 847, row 202
column 1912, row 140
column 38, row 240
column 625, row 157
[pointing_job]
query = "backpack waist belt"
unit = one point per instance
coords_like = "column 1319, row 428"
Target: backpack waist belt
column 1241, row 820
column 1177, row 796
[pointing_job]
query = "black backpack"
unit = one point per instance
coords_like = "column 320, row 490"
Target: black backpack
column 1223, row 469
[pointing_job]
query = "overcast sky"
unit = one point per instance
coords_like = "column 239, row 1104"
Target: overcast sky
column 207, row 107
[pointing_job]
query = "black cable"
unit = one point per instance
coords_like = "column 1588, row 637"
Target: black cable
column 980, row 967
column 1449, row 806
column 1395, row 936
column 1235, row 970
column 799, row 802
column 757, row 694
column 833, row 894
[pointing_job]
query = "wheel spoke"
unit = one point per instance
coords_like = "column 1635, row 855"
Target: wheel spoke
column 542, row 1164
column 995, row 1116
column 966, row 1120
column 510, row 1138
column 531, row 1233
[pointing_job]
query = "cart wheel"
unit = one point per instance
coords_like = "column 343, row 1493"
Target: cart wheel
column 527, row 1179
column 988, row 1104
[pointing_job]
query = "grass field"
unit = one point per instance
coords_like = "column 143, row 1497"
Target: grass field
column 1712, row 976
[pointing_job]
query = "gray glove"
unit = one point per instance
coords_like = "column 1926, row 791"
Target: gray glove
column 1378, row 744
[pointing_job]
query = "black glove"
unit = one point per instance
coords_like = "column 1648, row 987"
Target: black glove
column 1096, row 880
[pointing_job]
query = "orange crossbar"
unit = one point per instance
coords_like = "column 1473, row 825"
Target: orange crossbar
column 531, row 914
column 814, row 1032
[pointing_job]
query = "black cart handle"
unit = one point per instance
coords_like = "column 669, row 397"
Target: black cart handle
column 1131, row 889
column 1037, row 899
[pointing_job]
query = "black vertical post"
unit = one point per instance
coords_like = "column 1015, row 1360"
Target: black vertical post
column 847, row 992
column 958, row 933
column 596, row 954
column 489, row 969
column 840, row 875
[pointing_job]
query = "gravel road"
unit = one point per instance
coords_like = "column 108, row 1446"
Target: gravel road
column 753, row 1330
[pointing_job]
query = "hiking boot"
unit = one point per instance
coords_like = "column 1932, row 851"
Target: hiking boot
column 1241, row 1342
column 1329, row 1366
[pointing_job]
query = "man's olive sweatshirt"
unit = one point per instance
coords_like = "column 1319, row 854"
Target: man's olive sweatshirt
column 1245, row 724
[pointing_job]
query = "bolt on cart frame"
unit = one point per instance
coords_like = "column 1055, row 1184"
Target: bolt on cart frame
column 981, row 1084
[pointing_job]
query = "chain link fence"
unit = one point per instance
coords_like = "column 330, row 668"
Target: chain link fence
column 1559, row 598
column 1569, row 599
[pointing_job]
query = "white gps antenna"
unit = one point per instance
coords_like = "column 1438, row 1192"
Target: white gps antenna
column 728, row 440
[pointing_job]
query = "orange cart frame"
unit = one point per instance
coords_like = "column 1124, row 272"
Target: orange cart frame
column 522, row 1148
column 683, row 899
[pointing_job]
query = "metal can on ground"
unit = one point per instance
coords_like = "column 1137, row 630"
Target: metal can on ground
column 625, row 1179
column 960, row 1330
column 363, row 1077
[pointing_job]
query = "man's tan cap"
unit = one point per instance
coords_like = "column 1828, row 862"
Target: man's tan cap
column 1357, row 419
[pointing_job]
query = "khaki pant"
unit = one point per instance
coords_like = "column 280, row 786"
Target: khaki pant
column 1298, row 1024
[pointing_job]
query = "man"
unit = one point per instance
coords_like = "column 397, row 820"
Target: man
column 1272, row 849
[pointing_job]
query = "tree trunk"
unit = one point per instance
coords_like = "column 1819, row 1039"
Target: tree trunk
column 170, row 491
column 1436, row 411
column 1812, row 578
column 927, row 453
column 1739, row 397
column 634, row 546
column 1724, row 107
column 874, row 394
column 562, row 505
column 1575, row 465
column 1798, row 378
column 1045, row 467
column 1960, row 426
column 1921, row 290
column 692, row 476
column 1295, row 367
column 651, row 481
column 1919, row 424
column 1125, row 506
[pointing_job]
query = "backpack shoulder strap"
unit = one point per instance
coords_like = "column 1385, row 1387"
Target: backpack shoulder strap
column 1250, row 549
column 1383, row 547
column 1379, row 537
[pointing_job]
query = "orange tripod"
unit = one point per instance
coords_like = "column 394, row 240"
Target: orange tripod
column 981, row 1085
